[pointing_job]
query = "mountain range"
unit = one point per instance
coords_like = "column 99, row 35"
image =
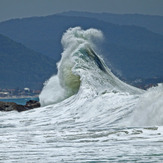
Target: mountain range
column 22, row 67
column 153, row 23
column 132, row 49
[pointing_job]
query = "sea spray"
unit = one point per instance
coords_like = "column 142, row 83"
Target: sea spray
column 80, row 68
column 149, row 109
column 67, row 81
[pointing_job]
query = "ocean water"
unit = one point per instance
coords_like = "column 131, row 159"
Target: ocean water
column 87, row 114
column 20, row 101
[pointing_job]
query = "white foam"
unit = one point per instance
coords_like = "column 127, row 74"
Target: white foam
column 81, row 66
column 149, row 109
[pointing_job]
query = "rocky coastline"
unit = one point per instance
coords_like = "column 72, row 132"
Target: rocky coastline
column 12, row 106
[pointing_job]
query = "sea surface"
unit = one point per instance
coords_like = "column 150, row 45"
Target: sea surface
column 20, row 101
column 87, row 114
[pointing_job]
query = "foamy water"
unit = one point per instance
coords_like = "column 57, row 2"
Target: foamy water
column 87, row 114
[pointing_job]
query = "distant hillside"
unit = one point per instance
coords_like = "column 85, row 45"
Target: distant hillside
column 153, row 23
column 22, row 67
column 130, row 50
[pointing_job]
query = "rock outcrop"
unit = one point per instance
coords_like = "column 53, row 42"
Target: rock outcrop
column 10, row 106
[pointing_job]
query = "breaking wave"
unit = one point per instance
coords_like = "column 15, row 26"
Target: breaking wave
column 84, row 79
column 87, row 114
column 149, row 109
column 81, row 68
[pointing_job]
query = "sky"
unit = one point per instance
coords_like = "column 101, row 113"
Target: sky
column 27, row 8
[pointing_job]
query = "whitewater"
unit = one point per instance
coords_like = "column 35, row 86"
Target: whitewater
column 87, row 114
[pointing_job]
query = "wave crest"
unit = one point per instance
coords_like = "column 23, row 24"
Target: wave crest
column 81, row 68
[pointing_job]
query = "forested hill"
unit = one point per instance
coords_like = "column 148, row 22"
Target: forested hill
column 22, row 67
column 151, row 22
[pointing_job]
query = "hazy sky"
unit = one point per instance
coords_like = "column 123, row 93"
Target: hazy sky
column 27, row 8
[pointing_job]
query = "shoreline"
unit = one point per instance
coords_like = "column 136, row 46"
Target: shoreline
column 18, row 97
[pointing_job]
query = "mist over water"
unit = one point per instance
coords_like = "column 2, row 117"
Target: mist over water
column 87, row 114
